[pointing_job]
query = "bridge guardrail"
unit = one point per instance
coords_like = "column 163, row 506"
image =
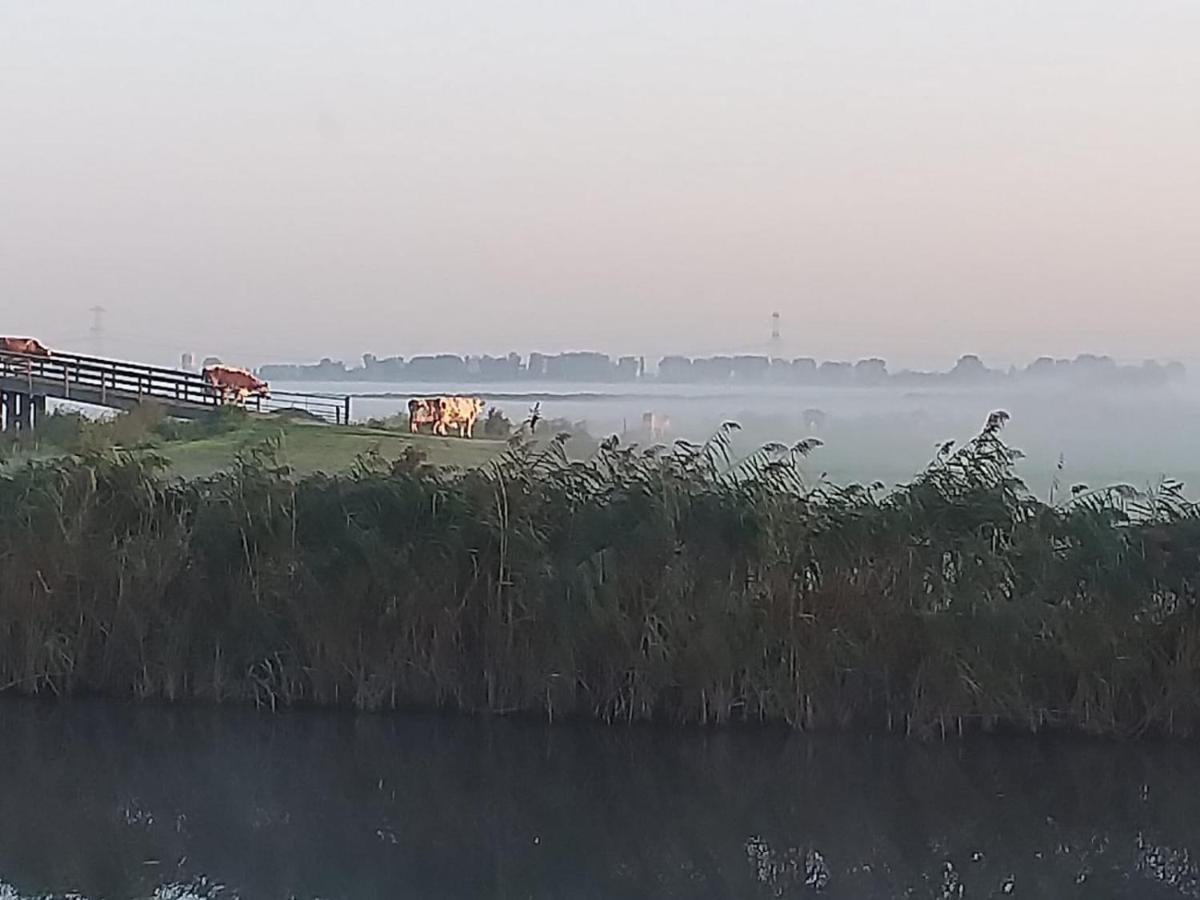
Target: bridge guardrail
column 126, row 380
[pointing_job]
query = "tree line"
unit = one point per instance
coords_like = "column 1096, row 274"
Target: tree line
column 600, row 368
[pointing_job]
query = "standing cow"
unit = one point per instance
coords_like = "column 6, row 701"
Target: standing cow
column 234, row 386
column 24, row 346
column 460, row 413
column 444, row 413
column 655, row 426
column 424, row 411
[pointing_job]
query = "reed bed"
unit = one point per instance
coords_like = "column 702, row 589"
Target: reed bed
column 673, row 584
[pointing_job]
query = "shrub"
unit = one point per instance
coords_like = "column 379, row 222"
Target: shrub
column 497, row 425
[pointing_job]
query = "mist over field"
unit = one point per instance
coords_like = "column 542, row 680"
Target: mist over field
column 1070, row 434
column 276, row 184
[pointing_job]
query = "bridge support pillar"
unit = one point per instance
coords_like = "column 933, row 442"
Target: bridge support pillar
column 20, row 412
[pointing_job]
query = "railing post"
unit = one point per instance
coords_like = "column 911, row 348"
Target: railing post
column 346, row 410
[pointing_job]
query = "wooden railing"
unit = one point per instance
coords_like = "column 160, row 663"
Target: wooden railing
column 102, row 380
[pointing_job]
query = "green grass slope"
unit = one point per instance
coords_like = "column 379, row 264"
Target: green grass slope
column 311, row 447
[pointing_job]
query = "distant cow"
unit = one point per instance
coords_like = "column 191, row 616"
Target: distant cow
column 24, row 346
column 444, row 413
column 424, row 411
column 460, row 413
column 655, row 426
column 234, row 386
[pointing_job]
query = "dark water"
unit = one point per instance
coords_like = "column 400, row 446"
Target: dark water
column 106, row 801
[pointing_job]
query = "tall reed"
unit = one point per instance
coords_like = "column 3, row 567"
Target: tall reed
column 677, row 584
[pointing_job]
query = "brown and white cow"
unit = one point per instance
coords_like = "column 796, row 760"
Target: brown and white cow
column 24, row 346
column 424, row 411
column 444, row 413
column 234, row 386
column 655, row 425
column 460, row 413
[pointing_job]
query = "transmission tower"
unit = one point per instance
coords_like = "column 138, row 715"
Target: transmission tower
column 775, row 336
column 96, row 332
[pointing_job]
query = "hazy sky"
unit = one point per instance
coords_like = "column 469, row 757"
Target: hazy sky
column 275, row 180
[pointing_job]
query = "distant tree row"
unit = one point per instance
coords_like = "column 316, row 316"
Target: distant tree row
column 601, row 368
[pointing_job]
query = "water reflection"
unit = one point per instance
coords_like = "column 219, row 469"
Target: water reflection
column 107, row 801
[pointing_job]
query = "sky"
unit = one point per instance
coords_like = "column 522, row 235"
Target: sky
column 270, row 181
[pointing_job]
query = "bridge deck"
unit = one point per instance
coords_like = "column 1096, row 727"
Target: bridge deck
column 121, row 385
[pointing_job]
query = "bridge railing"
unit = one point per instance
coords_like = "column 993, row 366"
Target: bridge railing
column 327, row 407
column 100, row 377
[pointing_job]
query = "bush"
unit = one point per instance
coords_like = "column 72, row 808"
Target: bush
column 497, row 425
column 221, row 420
column 138, row 426
column 398, row 422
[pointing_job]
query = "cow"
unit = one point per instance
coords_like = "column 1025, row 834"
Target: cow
column 460, row 413
column 234, row 386
column 444, row 413
column 24, row 346
column 424, row 411
column 655, row 426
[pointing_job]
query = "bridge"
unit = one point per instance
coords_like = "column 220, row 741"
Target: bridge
column 28, row 382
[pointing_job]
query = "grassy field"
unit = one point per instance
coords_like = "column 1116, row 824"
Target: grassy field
column 311, row 447
column 305, row 447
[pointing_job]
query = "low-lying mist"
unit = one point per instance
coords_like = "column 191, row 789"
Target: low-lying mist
column 1070, row 434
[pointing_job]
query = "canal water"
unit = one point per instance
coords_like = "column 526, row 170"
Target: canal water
column 103, row 800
